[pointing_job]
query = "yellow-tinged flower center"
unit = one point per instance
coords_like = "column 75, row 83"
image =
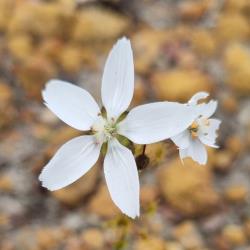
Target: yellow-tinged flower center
column 104, row 129
column 194, row 129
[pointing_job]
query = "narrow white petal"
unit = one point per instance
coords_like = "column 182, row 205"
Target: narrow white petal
column 196, row 151
column 182, row 140
column 158, row 121
column 208, row 109
column 122, row 178
column 118, row 79
column 72, row 104
column 70, row 162
column 198, row 96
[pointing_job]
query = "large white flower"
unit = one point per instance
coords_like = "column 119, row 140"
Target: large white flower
column 201, row 132
column 144, row 124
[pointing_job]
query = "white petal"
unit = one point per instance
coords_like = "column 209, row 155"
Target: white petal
column 198, row 96
column 182, row 140
column 208, row 109
column 122, row 178
column 118, row 79
column 208, row 134
column 70, row 162
column 158, row 121
column 196, row 151
column 72, row 104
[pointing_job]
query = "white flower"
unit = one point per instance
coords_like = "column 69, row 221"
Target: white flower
column 201, row 132
column 144, row 124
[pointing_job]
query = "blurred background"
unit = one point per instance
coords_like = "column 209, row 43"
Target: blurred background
column 180, row 47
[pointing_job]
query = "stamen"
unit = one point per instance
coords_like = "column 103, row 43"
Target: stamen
column 194, row 127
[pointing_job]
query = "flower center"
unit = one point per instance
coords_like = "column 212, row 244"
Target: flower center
column 104, row 129
column 193, row 129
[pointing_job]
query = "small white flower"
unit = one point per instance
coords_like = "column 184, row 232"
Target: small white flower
column 201, row 132
column 144, row 124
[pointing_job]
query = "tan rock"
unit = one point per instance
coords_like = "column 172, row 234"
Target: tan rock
column 147, row 44
column 183, row 186
column 148, row 194
column 71, row 59
column 173, row 245
column 20, row 47
column 180, row 84
column 237, row 62
column 51, row 48
column 30, row 18
column 231, row 27
column 149, row 243
column 93, row 237
column 222, row 161
column 203, row 42
column 237, row 5
column 230, row 104
column 236, row 193
column 102, row 205
column 234, row 234
column 193, row 10
column 75, row 193
column 6, row 184
column 49, row 238
column 91, row 23
column 4, row 220
column 33, row 74
column 6, row 9
column 188, row 235
column 235, row 145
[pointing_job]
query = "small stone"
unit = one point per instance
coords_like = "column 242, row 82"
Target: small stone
column 30, row 17
column 193, row 10
column 188, row 235
column 93, row 237
column 180, row 84
column 20, row 47
column 234, row 234
column 33, row 75
column 237, row 5
column 6, row 10
column 148, row 194
column 231, row 27
column 52, row 48
column 235, row 145
column 186, row 194
column 230, row 104
column 222, row 161
column 90, row 25
column 102, row 205
column 149, row 243
column 71, row 59
column 4, row 220
column 172, row 245
column 237, row 62
column 203, row 42
column 147, row 44
column 50, row 238
column 6, row 184
column 236, row 193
